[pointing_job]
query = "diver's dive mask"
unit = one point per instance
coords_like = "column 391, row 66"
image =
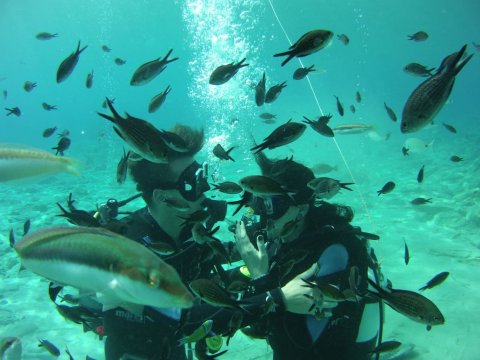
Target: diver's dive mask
column 192, row 182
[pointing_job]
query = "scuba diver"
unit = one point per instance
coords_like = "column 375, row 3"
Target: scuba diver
column 279, row 237
column 174, row 194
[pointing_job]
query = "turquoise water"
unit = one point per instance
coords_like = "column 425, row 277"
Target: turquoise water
column 442, row 236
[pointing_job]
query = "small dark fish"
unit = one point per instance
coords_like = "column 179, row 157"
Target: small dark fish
column 5, row 94
column 406, row 255
column 430, row 96
column 320, row 125
column 352, row 109
column 267, row 116
column 15, row 111
column 106, row 48
column 388, row 187
column 47, row 345
column 119, row 61
column 26, row 227
column 390, row 112
column 269, row 121
column 418, row 36
column 48, row 107
column 358, row 97
column 223, row 73
column 79, row 217
column 282, row 135
column 450, row 128
column 274, row 92
column 49, row 132
column 228, row 187
column 213, row 294
column 456, row 158
column 122, row 167
column 89, row 80
column 260, row 91
column 302, row 72
column 221, row 153
column 344, row 39
column 405, row 151
column 417, row 69
column 150, row 70
column 308, row 44
column 11, row 238
column 29, row 86
column 436, row 280
column 386, row 346
column 158, row 100
column 420, row 174
column 46, row 36
column 67, row 65
column 421, row 201
column 339, row 106
column 63, row 144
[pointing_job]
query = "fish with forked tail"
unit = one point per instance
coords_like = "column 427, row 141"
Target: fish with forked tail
column 150, row 70
column 223, row 73
column 67, row 65
column 282, row 135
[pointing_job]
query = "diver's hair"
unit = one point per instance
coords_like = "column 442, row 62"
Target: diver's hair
column 150, row 176
column 289, row 173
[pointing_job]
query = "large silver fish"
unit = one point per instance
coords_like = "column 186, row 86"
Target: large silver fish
column 429, row 97
column 148, row 71
column 145, row 139
column 309, row 43
column 67, row 65
column 97, row 260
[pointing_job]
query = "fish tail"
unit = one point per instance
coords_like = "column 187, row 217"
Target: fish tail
column 462, row 64
column 290, row 56
column 167, row 60
column 79, row 51
column 228, row 153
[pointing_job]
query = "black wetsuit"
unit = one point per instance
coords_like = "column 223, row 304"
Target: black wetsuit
column 154, row 335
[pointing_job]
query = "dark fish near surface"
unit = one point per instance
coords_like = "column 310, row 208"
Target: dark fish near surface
column 49, row 107
column 221, row 153
column 150, row 70
column 339, row 106
column 456, row 158
column 262, row 185
column 420, row 174
column 390, row 112
column 309, row 43
column 122, row 167
column 49, row 132
column 228, row 187
column 421, row 201
column 267, row 116
column 302, row 72
column 29, row 86
column 450, row 128
column 326, row 188
column 46, row 36
column 418, row 70
column 223, row 73
column 388, row 187
column 429, row 97
column 89, row 80
column 344, row 39
column 358, row 97
column 15, row 111
column 352, row 109
column 106, row 48
column 321, row 125
column 143, row 137
column 436, row 280
column 158, row 100
column 418, row 36
column 260, row 91
column 119, row 61
column 47, row 345
column 62, row 145
column 411, row 304
column 67, row 65
column 282, row 135
column 274, row 92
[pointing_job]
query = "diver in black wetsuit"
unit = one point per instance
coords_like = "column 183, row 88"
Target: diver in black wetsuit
column 291, row 233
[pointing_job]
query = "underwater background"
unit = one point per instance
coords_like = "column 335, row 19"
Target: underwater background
column 442, row 235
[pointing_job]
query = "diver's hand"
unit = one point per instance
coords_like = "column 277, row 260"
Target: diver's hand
column 255, row 260
column 294, row 293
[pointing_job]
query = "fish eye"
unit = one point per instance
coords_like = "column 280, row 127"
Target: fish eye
column 153, row 279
